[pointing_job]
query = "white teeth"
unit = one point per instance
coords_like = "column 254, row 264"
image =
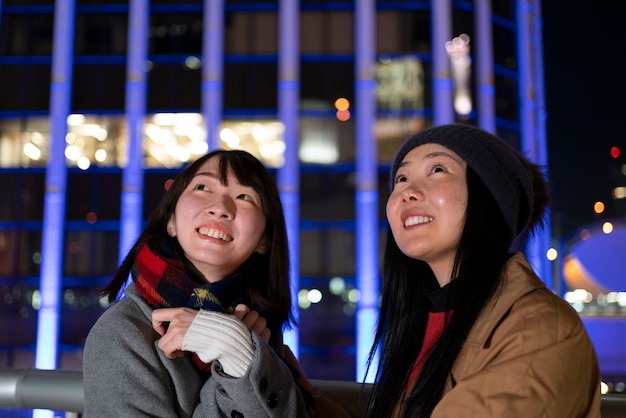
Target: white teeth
column 215, row 233
column 414, row 220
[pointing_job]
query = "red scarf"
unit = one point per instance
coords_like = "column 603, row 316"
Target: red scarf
column 164, row 283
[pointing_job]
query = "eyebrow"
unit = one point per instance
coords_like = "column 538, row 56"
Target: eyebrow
column 208, row 174
column 435, row 154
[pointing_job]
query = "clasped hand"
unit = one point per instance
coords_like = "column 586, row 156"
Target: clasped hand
column 180, row 319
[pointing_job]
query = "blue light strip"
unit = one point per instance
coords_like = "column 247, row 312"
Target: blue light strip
column 135, row 107
column 441, row 24
column 486, row 91
column 288, row 175
column 545, row 235
column 212, row 69
column 366, row 234
column 532, row 115
column 51, row 279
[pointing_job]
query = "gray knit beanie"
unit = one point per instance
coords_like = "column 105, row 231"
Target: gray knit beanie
column 510, row 178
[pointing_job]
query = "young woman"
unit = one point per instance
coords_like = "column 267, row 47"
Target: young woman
column 466, row 328
column 199, row 333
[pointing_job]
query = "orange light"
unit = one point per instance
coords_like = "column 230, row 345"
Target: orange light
column 598, row 207
column 342, row 104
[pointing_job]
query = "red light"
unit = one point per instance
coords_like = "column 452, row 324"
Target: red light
column 615, row 152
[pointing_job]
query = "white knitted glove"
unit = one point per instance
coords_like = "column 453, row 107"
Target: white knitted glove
column 218, row 336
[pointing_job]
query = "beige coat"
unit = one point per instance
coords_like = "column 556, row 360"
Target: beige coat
column 528, row 355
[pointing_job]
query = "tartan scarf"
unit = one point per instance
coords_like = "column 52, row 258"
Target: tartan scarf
column 164, row 283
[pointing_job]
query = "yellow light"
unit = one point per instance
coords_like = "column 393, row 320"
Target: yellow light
column 607, row 227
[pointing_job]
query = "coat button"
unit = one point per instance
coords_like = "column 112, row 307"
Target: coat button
column 263, row 385
column 272, row 400
column 236, row 414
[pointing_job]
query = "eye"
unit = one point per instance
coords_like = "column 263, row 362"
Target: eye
column 245, row 196
column 200, row 186
column 400, row 179
column 438, row 168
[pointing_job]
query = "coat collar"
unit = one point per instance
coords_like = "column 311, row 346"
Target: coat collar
column 518, row 279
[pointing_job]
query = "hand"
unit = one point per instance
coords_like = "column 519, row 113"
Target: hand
column 172, row 337
column 253, row 321
column 219, row 336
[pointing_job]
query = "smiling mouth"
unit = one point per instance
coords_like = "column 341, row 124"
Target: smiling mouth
column 416, row 220
column 215, row 233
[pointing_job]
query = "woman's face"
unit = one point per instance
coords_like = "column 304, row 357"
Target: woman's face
column 426, row 209
column 218, row 226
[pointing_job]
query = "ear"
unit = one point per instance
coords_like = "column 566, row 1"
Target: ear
column 171, row 227
column 261, row 248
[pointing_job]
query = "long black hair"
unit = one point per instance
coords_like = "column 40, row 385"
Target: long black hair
column 270, row 288
column 404, row 311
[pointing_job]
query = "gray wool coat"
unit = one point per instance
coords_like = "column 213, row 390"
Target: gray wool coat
column 126, row 375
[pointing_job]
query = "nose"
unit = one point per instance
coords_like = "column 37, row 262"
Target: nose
column 222, row 207
column 409, row 194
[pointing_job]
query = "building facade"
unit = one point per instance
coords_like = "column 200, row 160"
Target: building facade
column 102, row 103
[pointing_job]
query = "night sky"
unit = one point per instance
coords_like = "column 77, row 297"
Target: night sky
column 585, row 71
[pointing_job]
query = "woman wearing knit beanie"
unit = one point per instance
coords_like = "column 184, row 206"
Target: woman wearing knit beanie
column 466, row 328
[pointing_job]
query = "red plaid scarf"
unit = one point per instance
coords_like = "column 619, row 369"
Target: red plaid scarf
column 164, row 283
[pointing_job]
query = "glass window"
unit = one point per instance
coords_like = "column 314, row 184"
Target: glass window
column 506, row 100
column 327, row 196
column 251, row 33
column 504, row 47
column 403, row 31
column 90, row 253
column 80, row 309
column 25, row 87
column 176, row 33
column 250, row 86
column 174, row 86
column 98, row 86
column 325, row 82
column 93, row 197
column 324, row 32
column 20, row 251
column 26, row 34
column 327, row 252
column 22, row 195
column 325, row 139
column 18, row 318
column 504, row 9
column 101, row 34
column 155, row 183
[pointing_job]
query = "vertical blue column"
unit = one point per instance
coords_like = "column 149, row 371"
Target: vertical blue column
column 366, row 234
column 132, row 177
column 288, row 178
column 484, row 66
column 548, row 270
column 213, row 69
column 51, row 279
column 56, row 179
column 441, row 24
column 532, row 132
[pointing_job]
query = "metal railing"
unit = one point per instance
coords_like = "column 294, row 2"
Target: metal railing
column 62, row 390
column 57, row 390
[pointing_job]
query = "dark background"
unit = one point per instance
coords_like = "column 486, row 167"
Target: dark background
column 585, row 70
